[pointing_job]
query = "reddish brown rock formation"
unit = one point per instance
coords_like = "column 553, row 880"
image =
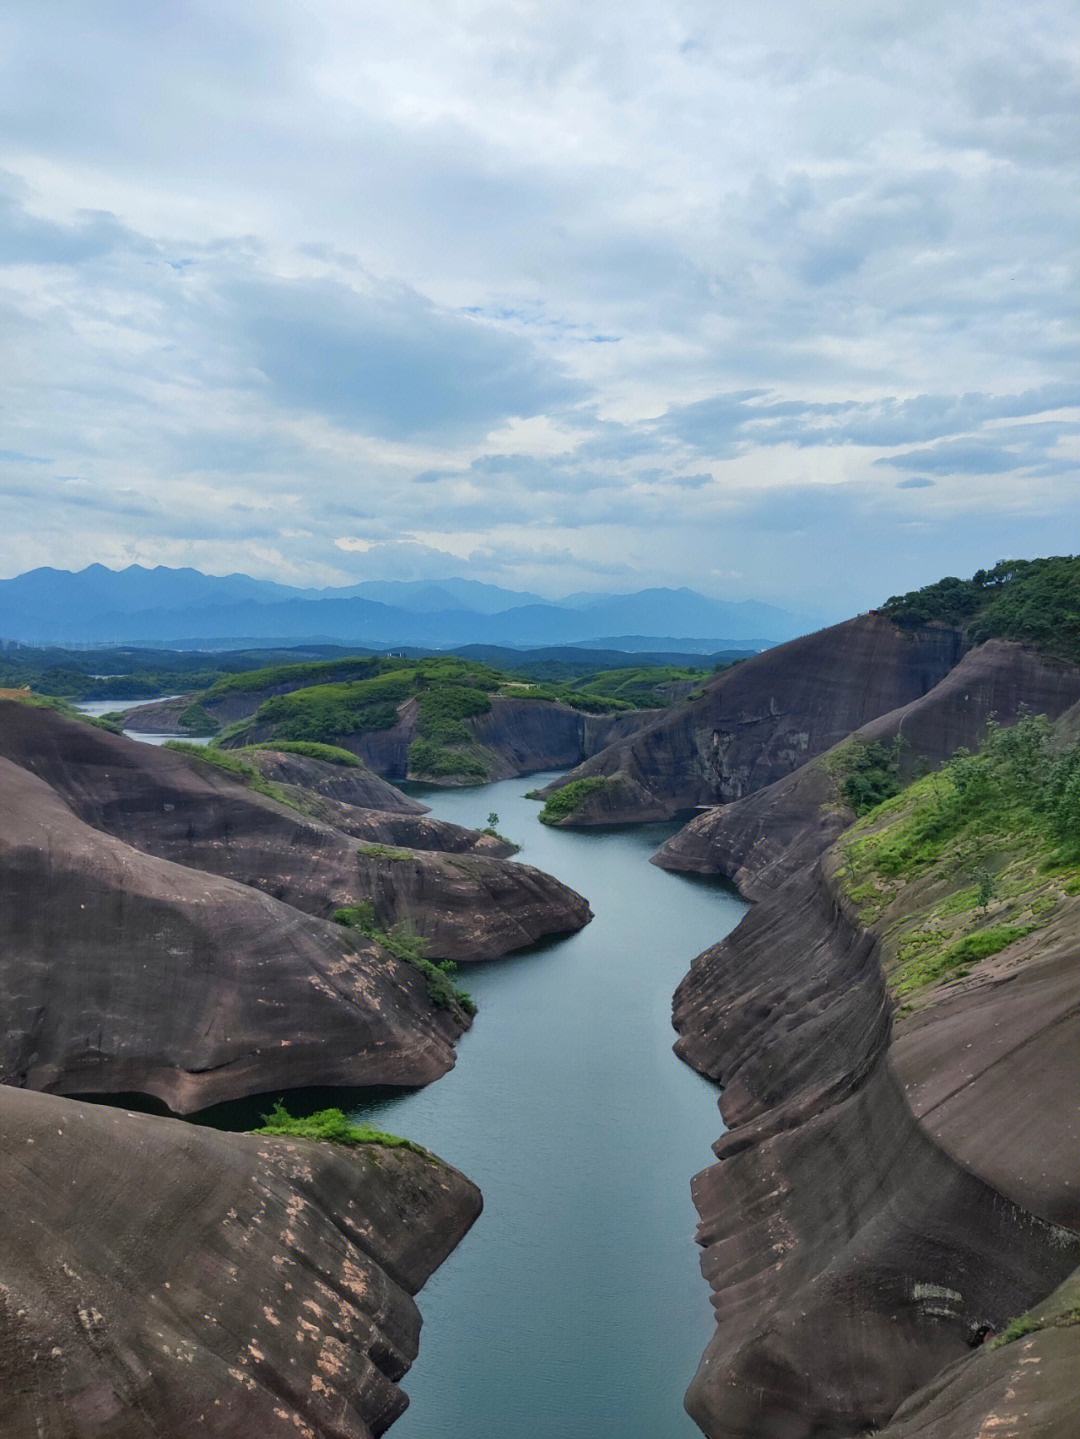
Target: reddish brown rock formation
column 762, row 719
column 181, row 808
column 879, row 1205
column 161, row 1279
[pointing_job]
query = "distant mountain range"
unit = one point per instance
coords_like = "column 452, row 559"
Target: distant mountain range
column 185, row 607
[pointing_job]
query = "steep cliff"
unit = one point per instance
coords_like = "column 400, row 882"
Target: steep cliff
column 513, row 736
column 164, row 1280
column 893, row 1186
column 764, row 718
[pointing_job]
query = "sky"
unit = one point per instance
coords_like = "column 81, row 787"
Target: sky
column 774, row 300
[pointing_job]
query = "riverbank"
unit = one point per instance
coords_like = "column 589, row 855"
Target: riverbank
column 575, row 1310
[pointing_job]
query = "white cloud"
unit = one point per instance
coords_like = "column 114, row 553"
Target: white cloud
column 609, row 279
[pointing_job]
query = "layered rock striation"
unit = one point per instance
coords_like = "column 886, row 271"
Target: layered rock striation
column 763, row 719
column 892, row 1188
column 168, row 930
column 162, row 1279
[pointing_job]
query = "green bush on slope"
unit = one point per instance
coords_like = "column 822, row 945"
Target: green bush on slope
column 331, row 1126
column 404, row 943
column 999, row 830
column 565, row 802
column 1035, row 602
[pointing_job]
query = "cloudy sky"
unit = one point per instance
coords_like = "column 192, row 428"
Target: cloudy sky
column 775, row 300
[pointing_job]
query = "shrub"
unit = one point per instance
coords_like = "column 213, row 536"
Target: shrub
column 440, row 762
column 564, row 802
column 384, row 851
column 1033, row 601
column 197, row 720
column 868, row 772
column 311, row 749
column 331, row 1126
column 405, row 944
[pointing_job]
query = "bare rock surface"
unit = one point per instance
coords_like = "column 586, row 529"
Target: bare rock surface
column 182, row 808
column 343, row 783
column 794, row 819
column 125, row 972
column 764, row 718
column 888, row 1193
column 161, row 1280
column 1024, row 1389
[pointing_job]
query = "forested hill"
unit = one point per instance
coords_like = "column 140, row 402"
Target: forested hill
column 1035, row 602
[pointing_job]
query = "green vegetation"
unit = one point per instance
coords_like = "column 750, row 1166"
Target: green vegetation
column 311, row 749
column 641, row 686
column 60, row 706
column 196, row 719
column 443, row 710
column 1035, row 602
column 403, row 942
column 235, row 766
column 867, row 772
column 436, row 761
column 124, row 673
column 564, row 802
column 997, row 831
column 384, row 851
column 298, row 674
column 332, row 1126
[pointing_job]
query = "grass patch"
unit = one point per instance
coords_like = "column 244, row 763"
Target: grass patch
column 235, row 766
column 972, row 858
column 405, row 944
column 307, row 672
column 311, row 749
column 384, row 851
column 1026, row 1324
column 332, row 1126
column 564, row 803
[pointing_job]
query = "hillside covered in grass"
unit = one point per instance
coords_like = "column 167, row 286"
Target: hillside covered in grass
column 970, row 860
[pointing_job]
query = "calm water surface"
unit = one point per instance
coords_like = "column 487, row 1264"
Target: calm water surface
column 575, row 1308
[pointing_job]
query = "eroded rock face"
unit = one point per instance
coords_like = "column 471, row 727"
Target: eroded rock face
column 158, row 1279
column 180, row 808
column 1026, row 1389
column 515, row 736
column 887, row 1193
column 124, row 972
column 359, row 787
column 757, row 839
column 764, row 718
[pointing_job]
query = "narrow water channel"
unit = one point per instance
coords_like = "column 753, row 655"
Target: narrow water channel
column 575, row 1308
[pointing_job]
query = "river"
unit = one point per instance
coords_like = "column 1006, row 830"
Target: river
column 575, row 1309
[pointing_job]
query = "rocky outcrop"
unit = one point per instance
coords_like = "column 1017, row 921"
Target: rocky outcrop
column 159, row 1279
column 357, row 786
column 888, row 1192
column 181, row 808
column 1023, row 1389
column 775, row 830
column 764, row 718
column 124, row 972
column 515, row 736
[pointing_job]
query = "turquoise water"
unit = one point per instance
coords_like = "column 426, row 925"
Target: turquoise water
column 575, row 1309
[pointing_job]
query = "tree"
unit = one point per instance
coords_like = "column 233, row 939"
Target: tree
column 493, row 820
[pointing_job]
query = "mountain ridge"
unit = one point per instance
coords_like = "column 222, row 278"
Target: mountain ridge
column 185, row 605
